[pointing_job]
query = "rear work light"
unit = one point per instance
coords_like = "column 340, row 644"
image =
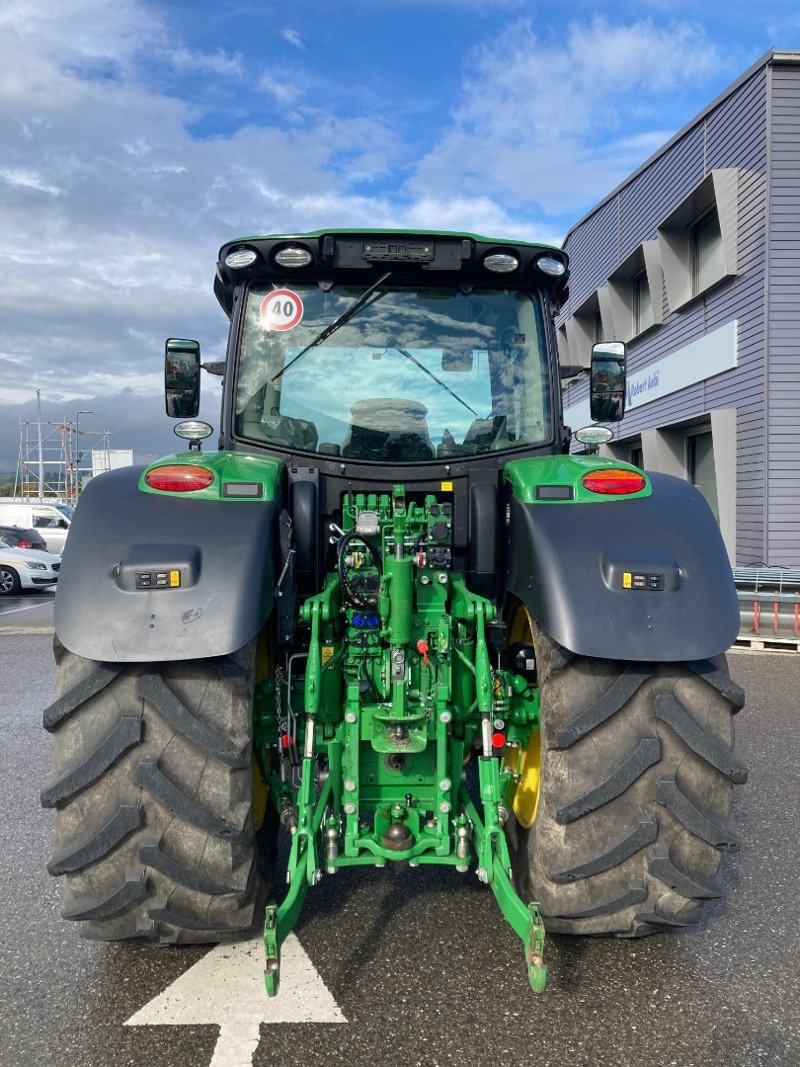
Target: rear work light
column 179, row 478
column 614, row 482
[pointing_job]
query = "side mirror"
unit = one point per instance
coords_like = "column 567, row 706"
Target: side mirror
column 607, row 382
column 182, row 378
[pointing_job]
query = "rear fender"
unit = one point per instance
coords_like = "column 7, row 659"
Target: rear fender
column 644, row 579
column 222, row 551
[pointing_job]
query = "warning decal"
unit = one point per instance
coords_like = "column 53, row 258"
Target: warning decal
column 281, row 310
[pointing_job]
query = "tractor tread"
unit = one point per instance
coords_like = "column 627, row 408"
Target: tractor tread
column 126, row 733
column 675, row 800
column 662, row 867
column 150, row 777
column 670, row 710
column 721, row 681
column 130, row 892
column 647, row 752
column 607, row 705
column 157, row 693
column 127, row 818
column 634, row 895
column 60, row 709
column 644, row 834
column 153, row 856
column 636, row 784
column 656, row 918
column 160, row 815
column 163, row 914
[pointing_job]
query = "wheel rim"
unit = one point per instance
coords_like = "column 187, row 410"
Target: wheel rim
column 6, row 581
column 526, row 797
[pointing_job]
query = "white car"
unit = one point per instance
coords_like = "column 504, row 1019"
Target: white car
column 26, row 568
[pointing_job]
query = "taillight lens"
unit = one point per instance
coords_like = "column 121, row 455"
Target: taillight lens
column 25, row 544
column 614, row 482
column 179, row 478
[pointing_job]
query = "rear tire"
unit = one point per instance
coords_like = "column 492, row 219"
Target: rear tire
column 153, row 797
column 637, row 775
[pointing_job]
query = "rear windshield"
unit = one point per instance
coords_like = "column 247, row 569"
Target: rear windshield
column 413, row 374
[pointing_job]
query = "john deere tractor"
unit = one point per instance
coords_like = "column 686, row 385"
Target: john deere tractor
column 392, row 613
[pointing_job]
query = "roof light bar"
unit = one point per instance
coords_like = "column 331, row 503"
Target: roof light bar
column 240, row 257
column 501, row 262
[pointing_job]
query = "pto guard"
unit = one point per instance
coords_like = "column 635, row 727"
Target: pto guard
column 645, row 579
column 215, row 556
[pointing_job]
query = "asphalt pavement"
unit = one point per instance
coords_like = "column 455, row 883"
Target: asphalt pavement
column 417, row 962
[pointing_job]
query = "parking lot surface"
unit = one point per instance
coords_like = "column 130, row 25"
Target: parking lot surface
column 406, row 966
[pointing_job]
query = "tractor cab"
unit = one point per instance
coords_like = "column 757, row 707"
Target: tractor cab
column 389, row 350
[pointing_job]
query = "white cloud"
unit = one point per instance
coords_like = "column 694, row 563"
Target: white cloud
column 194, row 61
column 27, row 179
column 294, row 38
column 550, row 123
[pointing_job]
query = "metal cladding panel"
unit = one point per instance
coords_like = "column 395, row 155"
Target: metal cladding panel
column 783, row 482
column 222, row 550
column 567, row 564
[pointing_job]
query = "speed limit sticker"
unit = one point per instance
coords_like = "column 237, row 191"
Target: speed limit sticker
column 281, row 310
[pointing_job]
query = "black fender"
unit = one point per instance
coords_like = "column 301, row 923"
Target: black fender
column 646, row 579
column 223, row 551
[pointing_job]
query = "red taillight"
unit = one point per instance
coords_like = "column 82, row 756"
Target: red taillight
column 614, row 482
column 25, row 544
column 179, row 478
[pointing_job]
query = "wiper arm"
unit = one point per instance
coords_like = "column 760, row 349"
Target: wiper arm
column 422, row 367
column 332, row 327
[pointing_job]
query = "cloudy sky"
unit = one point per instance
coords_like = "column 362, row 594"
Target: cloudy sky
column 137, row 136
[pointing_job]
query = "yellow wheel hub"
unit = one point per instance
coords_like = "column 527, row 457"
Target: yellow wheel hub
column 260, row 795
column 526, row 797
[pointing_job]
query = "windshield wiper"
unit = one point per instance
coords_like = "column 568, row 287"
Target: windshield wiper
column 332, row 327
column 422, row 367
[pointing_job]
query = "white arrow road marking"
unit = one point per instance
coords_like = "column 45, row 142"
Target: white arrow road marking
column 226, row 988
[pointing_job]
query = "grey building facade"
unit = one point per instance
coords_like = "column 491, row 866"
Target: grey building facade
column 694, row 262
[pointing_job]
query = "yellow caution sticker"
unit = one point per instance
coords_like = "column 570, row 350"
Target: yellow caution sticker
column 447, row 487
column 327, row 653
column 627, row 579
column 174, row 579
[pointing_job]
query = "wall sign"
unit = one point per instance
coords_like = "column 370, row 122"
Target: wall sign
column 710, row 355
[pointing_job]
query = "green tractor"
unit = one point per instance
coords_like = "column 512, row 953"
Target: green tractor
column 393, row 614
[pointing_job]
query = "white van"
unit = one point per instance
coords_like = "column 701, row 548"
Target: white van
column 51, row 518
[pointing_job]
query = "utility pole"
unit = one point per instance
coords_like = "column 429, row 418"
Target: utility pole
column 39, row 430
column 78, row 453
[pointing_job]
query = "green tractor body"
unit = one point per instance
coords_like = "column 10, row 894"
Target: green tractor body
column 392, row 614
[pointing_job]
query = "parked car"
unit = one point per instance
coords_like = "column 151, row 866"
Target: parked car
column 25, row 568
column 19, row 537
column 51, row 519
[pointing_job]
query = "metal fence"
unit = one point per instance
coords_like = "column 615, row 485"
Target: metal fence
column 769, row 605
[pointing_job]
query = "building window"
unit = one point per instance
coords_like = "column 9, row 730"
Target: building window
column 643, row 316
column 699, row 239
column 702, row 471
column 636, row 457
column 708, row 257
column 635, row 292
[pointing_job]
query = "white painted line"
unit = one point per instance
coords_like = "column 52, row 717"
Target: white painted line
column 226, row 988
column 33, row 607
column 16, row 630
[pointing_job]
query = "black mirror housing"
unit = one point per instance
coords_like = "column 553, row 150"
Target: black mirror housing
column 182, row 378
column 607, row 382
